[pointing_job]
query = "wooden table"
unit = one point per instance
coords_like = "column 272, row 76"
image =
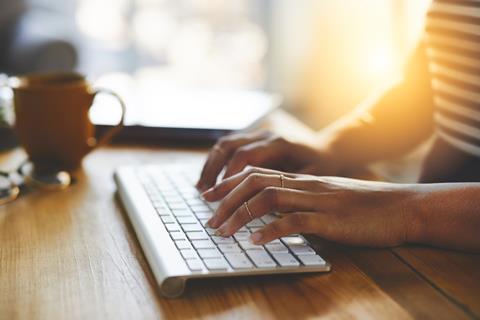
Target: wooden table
column 73, row 255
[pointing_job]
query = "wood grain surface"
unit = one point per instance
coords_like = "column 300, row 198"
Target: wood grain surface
column 73, row 255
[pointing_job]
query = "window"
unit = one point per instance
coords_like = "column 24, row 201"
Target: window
column 200, row 42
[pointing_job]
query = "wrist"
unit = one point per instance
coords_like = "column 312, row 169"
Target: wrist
column 415, row 213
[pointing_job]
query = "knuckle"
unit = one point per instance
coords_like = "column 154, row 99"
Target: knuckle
column 224, row 142
column 266, row 134
column 271, row 195
column 274, row 229
column 241, row 155
column 253, row 170
column 322, row 184
column 253, row 179
column 297, row 221
column 279, row 140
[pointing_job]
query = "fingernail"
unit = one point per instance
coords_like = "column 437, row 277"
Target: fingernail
column 221, row 232
column 256, row 237
column 206, row 194
column 201, row 186
column 211, row 223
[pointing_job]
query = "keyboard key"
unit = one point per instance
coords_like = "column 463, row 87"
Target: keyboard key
column 285, row 259
column 179, row 206
column 214, row 205
column 168, row 219
column 172, row 227
column 275, row 241
column 182, row 244
column 187, row 220
column 246, row 245
column 182, row 212
column 261, row 259
column 229, row 248
column 291, row 241
column 269, row 218
column 192, row 227
column 188, row 254
column 195, row 265
column 210, row 231
column 203, row 222
column 178, row 235
column 171, row 200
column 194, row 201
column 276, row 247
column 198, row 235
column 238, row 261
column 163, row 211
column 255, row 223
column 203, row 244
column 253, row 230
column 204, row 215
column 216, row 264
column 191, row 195
column 201, row 208
column 312, row 260
column 241, row 236
column 302, row 250
column 209, row 253
column 219, row 240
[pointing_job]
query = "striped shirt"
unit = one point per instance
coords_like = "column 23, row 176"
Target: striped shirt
column 453, row 48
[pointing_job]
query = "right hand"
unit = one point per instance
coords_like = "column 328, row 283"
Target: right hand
column 266, row 150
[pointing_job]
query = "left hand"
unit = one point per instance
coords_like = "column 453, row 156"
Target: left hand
column 343, row 210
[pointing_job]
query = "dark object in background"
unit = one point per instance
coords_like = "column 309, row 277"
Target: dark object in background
column 32, row 40
column 7, row 139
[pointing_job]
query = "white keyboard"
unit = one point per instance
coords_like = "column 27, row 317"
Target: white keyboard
column 169, row 219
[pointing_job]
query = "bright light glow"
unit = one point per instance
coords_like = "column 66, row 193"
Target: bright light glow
column 380, row 62
column 104, row 20
column 153, row 28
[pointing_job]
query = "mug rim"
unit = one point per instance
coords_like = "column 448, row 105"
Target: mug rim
column 50, row 80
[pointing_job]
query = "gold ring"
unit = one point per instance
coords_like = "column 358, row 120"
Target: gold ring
column 219, row 149
column 245, row 204
column 282, row 181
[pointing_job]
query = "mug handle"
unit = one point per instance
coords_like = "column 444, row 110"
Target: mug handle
column 107, row 137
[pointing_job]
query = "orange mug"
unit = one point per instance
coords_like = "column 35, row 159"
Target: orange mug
column 52, row 118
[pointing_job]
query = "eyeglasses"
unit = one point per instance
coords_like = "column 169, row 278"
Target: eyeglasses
column 25, row 177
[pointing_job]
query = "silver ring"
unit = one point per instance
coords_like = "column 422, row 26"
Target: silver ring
column 245, row 204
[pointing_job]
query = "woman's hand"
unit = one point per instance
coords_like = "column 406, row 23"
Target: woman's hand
column 343, row 210
column 264, row 149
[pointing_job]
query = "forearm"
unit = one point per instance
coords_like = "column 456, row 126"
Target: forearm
column 363, row 137
column 388, row 125
column 446, row 215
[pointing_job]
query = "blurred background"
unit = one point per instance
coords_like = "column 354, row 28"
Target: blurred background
column 325, row 56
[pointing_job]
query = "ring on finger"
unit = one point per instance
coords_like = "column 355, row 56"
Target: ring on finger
column 282, row 180
column 247, row 208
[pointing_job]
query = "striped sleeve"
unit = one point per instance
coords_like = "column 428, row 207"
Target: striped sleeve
column 453, row 37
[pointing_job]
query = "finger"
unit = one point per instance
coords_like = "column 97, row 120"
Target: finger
column 267, row 201
column 298, row 222
column 245, row 190
column 220, row 190
column 219, row 156
column 258, row 154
